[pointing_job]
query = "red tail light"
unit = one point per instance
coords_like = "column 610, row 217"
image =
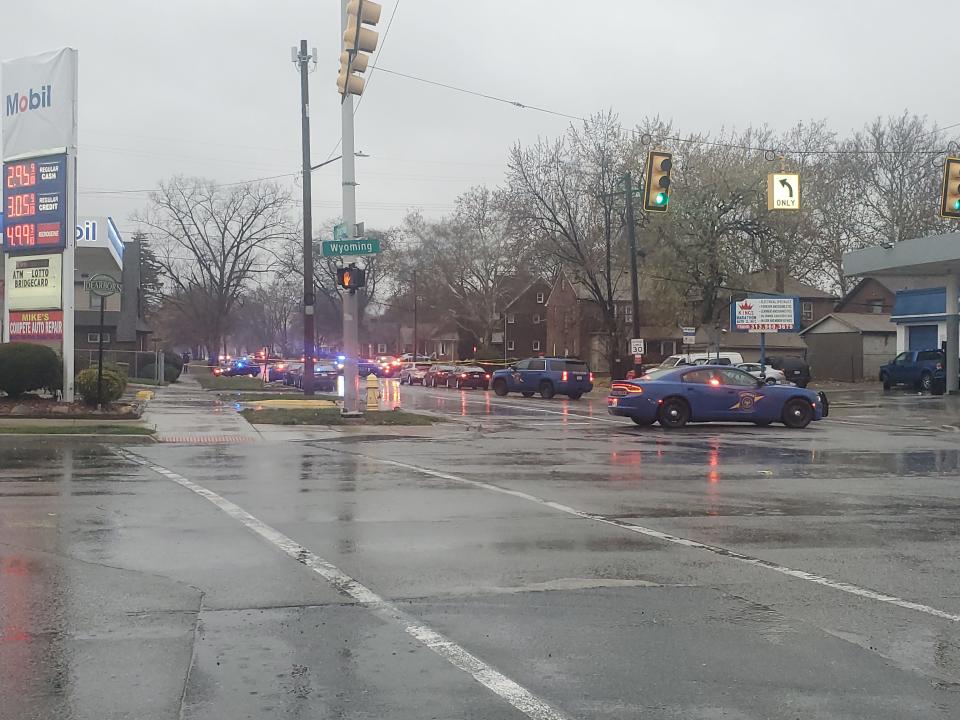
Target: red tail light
column 463, row 375
column 563, row 378
column 487, row 376
column 591, row 377
column 627, row 387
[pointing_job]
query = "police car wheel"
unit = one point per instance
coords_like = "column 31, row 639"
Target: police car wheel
column 546, row 390
column 674, row 414
column 797, row 414
column 500, row 387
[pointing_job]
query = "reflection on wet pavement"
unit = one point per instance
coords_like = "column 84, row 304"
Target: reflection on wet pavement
column 116, row 583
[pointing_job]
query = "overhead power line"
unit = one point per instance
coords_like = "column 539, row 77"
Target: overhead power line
column 776, row 150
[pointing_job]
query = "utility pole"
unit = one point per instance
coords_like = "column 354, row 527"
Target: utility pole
column 632, row 237
column 414, row 316
column 303, row 63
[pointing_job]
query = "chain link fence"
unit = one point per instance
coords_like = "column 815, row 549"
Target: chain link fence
column 137, row 364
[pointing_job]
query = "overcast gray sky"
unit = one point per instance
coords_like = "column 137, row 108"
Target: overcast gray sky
column 206, row 87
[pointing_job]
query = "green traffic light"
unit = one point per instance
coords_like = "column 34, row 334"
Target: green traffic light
column 661, row 198
column 956, row 205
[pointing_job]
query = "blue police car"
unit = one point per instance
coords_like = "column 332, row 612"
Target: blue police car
column 704, row 393
column 547, row 376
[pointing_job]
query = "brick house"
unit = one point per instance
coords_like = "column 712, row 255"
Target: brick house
column 576, row 326
column 870, row 296
column 526, row 321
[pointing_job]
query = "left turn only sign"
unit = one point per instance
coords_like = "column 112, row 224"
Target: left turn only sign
column 783, row 191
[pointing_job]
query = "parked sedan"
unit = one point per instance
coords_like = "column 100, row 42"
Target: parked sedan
column 275, row 371
column 468, row 376
column 239, row 368
column 292, row 374
column 771, row 376
column 437, row 375
column 325, row 377
column 709, row 393
column 413, row 373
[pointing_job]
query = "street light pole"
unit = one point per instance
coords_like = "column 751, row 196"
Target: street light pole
column 351, row 304
column 414, row 316
column 303, row 62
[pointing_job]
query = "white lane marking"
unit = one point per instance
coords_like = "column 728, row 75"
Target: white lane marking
column 650, row 532
column 492, row 679
column 502, row 403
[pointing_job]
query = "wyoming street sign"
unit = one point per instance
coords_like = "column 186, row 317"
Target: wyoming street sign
column 360, row 246
column 783, row 191
column 103, row 285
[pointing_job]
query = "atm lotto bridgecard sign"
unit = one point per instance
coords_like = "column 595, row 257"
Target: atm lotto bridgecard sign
column 766, row 314
column 34, row 282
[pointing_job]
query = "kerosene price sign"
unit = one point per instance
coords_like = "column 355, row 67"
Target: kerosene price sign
column 35, row 203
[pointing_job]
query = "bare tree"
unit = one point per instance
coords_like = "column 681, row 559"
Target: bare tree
column 897, row 177
column 268, row 313
column 472, row 263
column 210, row 243
column 567, row 195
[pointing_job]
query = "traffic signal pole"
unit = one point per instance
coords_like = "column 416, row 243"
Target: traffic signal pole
column 351, row 343
column 303, row 62
column 634, row 283
column 632, row 238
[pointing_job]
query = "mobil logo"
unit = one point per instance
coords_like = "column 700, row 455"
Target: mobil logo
column 87, row 232
column 32, row 99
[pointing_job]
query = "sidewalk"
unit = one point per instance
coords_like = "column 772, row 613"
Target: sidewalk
column 186, row 413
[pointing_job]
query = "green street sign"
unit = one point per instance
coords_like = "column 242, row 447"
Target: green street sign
column 341, row 248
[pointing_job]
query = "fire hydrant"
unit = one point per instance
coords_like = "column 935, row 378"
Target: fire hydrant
column 373, row 392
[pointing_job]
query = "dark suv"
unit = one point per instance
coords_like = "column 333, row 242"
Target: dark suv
column 794, row 369
column 547, row 376
column 914, row 368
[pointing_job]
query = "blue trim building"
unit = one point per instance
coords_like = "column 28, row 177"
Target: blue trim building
column 921, row 318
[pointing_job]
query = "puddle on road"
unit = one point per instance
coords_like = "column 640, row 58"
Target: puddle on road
column 765, row 621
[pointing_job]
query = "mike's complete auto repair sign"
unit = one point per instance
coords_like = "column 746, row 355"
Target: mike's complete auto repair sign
column 36, row 325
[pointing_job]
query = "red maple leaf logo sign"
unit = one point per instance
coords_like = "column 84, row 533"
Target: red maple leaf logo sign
column 746, row 307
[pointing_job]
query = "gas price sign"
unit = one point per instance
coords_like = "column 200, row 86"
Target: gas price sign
column 35, row 203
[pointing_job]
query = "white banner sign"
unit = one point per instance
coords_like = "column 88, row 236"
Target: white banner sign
column 766, row 314
column 33, row 282
column 39, row 102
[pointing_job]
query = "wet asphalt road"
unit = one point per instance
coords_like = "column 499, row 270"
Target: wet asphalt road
column 530, row 558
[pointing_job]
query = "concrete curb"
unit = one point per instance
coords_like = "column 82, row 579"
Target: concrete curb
column 126, row 439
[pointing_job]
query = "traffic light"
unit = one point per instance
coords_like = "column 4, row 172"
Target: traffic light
column 351, row 277
column 656, row 188
column 357, row 40
column 950, row 201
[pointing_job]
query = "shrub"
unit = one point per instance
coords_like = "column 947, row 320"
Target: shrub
column 172, row 358
column 113, row 385
column 170, row 372
column 120, row 370
column 25, row 367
